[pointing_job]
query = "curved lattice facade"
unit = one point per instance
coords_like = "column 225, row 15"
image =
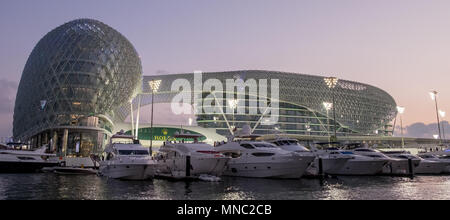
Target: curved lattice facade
column 361, row 109
column 75, row 77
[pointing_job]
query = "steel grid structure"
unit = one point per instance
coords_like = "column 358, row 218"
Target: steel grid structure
column 82, row 68
column 361, row 109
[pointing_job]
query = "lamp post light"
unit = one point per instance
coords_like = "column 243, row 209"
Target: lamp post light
column 401, row 110
column 328, row 106
column 233, row 105
column 308, row 128
column 442, row 114
column 154, row 87
column 331, row 83
column 433, row 95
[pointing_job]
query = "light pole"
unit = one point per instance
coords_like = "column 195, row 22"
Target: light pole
column 442, row 113
column 433, row 95
column 328, row 106
column 401, row 110
column 331, row 83
column 233, row 105
column 154, row 86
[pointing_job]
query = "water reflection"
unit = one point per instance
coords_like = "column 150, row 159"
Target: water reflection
column 50, row 186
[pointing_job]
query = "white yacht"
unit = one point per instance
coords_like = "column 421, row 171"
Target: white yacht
column 357, row 164
column 431, row 165
column 438, row 157
column 331, row 163
column 263, row 160
column 25, row 161
column 126, row 159
column 396, row 166
column 421, row 166
column 186, row 157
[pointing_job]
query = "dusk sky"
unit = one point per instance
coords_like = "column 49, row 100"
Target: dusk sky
column 400, row 46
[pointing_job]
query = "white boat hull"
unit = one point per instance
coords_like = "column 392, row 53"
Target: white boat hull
column 129, row 171
column 291, row 169
column 198, row 165
column 329, row 166
column 360, row 168
column 430, row 167
column 399, row 167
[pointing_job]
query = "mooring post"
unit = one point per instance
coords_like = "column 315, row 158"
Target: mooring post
column 410, row 166
column 320, row 168
column 188, row 166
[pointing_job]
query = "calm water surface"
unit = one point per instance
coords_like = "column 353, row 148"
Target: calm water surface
column 52, row 186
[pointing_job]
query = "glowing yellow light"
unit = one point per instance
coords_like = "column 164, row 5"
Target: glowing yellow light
column 442, row 113
column 154, row 85
column 400, row 109
column 327, row 105
column 233, row 103
column 331, row 82
column 433, row 95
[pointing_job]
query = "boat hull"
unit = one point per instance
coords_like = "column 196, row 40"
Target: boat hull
column 24, row 167
column 129, row 171
column 73, row 171
column 292, row 169
column 361, row 168
column 399, row 167
column 177, row 167
column 329, row 166
column 430, row 167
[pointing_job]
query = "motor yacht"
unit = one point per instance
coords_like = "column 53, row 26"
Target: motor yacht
column 396, row 166
column 357, row 164
column 330, row 162
column 187, row 157
column 125, row 158
column 431, row 164
column 420, row 165
column 440, row 158
column 260, row 159
column 25, row 161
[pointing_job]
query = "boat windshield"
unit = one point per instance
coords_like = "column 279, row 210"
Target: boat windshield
column 264, row 146
column 366, row 150
column 346, row 152
column 133, row 152
column 285, row 142
column 122, row 141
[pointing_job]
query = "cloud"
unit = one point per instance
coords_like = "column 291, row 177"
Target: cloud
column 422, row 130
column 7, row 95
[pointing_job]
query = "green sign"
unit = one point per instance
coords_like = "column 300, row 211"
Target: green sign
column 162, row 134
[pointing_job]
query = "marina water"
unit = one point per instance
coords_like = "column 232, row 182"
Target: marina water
column 48, row 186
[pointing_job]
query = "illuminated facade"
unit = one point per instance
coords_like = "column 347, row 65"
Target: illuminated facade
column 361, row 109
column 74, row 79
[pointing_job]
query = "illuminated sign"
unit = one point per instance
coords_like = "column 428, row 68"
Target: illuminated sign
column 162, row 134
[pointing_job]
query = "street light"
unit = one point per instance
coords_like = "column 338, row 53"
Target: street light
column 442, row 113
column 331, row 83
column 154, row 86
column 433, row 95
column 401, row 110
column 233, row 105
column 328, row 106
